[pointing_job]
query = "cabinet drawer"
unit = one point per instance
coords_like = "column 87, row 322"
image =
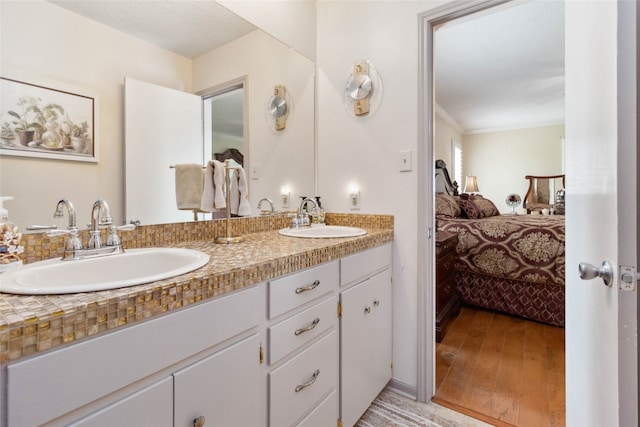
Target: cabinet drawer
column 291, row 291
column 325, row 414
column 363, row 264
column 446, row 266
column 288, row 405
column 445, row 291
column 297, row 330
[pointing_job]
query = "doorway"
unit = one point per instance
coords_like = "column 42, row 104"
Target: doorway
column 435, row 21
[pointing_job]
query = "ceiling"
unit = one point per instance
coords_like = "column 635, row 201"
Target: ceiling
column 502, row 69
column 186, row 27
column 496, row 70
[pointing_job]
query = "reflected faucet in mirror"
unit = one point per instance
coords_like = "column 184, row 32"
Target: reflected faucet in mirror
column 263, row 211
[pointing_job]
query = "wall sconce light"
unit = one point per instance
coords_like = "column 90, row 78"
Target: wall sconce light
column 471, row 184
column 354, row 195
column 286, row 195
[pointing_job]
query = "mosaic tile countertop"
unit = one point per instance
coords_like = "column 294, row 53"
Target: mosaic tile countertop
column 32, row 324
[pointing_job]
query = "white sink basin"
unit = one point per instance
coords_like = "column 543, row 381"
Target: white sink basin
column 134, row 267
column 323, row 231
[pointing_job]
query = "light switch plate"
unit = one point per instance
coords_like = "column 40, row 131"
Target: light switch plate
column 255, row 172
column 404, row 161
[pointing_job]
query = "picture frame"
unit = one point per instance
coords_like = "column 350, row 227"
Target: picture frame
column 47, row 122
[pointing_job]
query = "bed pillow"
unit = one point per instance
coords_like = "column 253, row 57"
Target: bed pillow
column 447, row 206
column 475, row 206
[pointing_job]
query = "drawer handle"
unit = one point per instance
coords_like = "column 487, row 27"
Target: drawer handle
column 198, row 422
column 376, row 302
column 308, row 383
column 308, row 288
column 308, row 328
column 367, row 310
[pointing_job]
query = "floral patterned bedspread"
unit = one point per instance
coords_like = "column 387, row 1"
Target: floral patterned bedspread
column 518, row 247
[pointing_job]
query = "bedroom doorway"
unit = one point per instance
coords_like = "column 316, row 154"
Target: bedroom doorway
column 602, row 376
column 473, row 351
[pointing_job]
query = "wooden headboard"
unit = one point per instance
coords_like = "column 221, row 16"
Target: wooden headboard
column 232, row 154
column 443, row 181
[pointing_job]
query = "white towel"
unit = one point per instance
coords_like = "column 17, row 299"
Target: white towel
column 189, row 183
column 239, row 193
column 245, row 207
column 212, row 193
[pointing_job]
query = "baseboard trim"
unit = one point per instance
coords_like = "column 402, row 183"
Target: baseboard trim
column 403, row 389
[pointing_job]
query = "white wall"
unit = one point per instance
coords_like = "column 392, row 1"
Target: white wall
column 41, row 42
column 501, row 160
column 285, row 157
column 444, row 132
column 293, row 22
column 366, row 149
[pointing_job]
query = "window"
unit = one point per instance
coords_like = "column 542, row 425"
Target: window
column 456, row 159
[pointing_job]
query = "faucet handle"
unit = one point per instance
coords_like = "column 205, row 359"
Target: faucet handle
column 113, row 239
column 73, row 243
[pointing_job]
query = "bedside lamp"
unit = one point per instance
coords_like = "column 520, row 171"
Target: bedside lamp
column 471, row 184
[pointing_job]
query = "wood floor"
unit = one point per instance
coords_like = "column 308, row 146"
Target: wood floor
column 505, row 370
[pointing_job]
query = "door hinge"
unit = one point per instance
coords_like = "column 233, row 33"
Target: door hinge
column 339, row 422
column 261, row 354
column 339, row 309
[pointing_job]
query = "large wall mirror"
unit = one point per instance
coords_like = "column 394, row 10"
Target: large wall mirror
column 95, row 56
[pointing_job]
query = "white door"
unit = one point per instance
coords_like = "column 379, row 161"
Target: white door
column 163, row 127
column 601, row 368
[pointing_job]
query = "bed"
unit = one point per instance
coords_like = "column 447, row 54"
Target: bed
column 509, row 263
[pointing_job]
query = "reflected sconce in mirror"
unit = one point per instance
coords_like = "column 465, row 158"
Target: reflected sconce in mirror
column 354, row 195
column 279, row 108
column 285, row 192
column 363, row 90
column 471, row 184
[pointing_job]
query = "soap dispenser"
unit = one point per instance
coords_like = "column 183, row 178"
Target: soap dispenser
column 10, row 238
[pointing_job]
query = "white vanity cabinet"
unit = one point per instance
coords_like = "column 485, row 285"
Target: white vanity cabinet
column 365, row 330
column 139, row 375
column 302, row 370
column 306, row 349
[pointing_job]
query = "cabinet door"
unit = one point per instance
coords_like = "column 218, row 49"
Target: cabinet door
column 365, row 344
column 223, row 388
column 152, row 406
column 323, row 415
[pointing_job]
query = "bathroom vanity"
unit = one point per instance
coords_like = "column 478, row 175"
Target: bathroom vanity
column 295, row 332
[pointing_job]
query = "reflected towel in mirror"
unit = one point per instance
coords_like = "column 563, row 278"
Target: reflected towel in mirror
column 240, row 193
column 189, row 184
column 213, row 190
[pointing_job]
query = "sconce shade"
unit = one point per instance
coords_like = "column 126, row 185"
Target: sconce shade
column 471, row 184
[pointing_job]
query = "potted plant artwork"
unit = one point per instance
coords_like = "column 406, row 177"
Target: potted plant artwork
column 26, row 123
column 80, row 139
column 7, row 134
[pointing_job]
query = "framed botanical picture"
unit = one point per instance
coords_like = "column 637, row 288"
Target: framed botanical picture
column 39, row 121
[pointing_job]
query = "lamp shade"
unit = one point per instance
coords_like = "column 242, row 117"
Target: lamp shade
column 471, row 184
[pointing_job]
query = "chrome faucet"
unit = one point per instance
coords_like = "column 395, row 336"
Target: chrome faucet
column 100, row 215
column 302, row 219
column 59, row 213
column 271, row 212
column 73, row 243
